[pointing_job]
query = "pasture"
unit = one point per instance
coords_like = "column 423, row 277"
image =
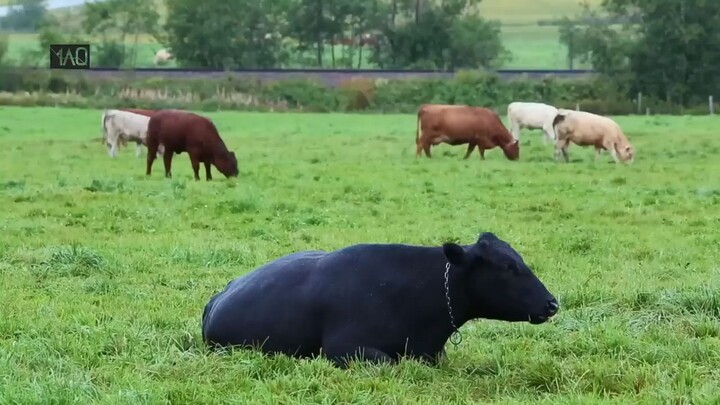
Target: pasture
column 532, row 46
column 105, row 272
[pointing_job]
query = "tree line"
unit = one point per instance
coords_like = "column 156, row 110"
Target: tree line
column 390, row 34
column 432, row 34
column 668, row 50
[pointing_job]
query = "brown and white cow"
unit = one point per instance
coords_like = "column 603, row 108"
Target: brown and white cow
column 587, row 129
column 461, row 124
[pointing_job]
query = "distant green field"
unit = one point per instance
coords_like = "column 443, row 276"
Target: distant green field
column 530, row 11
column 532, row 46
column 20, row 44
column 105, row 272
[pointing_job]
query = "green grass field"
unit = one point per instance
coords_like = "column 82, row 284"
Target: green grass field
column 532, row 46
column 105, row 272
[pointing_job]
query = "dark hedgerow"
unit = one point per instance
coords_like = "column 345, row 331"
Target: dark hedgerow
column 73, row 89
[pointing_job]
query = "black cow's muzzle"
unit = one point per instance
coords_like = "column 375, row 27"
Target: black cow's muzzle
column 551, row 308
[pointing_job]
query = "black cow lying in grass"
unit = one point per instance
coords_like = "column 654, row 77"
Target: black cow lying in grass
column 375, row 302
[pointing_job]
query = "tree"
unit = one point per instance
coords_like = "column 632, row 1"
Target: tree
column 116, row 21
column 310, row 24
column 665, row 49
column 227, row 33
column 476, row 42
column 445, row 35
column 25, row 15
column 4, row 45
column 364, row 19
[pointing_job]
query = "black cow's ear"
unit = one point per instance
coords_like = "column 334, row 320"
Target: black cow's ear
column 454, row 253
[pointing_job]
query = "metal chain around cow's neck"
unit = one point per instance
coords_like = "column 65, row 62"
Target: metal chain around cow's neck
column 455, row 337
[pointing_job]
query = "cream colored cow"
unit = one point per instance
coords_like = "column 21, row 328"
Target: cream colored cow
column 587, row 129
column 162, row 57
column 532, row 116
column 121, row 127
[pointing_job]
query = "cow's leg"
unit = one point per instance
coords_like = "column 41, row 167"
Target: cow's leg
column 426, row 148
column 610, row 146
column 167, row 159
column 341, row 355
column 598, row 152
column 138, row 149
column 195, row 162
column 482, row 153
column 113, row 149
column 152, row 154
column 470, row 148
column 418, row 147
column 208, row 176
column 564, row 150
column 549, row 133
column 545, row 136
column 515, row 128
column 558, row 145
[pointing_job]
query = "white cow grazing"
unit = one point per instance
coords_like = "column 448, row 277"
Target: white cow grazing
column 121, row 127
column 162, row 57
column 532, row 116
column 587, row 129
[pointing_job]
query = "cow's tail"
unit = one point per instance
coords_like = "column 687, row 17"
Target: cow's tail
column 417, row 131
column 104, row 120
column 559, row 118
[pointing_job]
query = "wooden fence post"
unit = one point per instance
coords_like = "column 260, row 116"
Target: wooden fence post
column 711, row 105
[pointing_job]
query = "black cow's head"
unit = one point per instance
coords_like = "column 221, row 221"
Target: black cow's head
column 500, row 285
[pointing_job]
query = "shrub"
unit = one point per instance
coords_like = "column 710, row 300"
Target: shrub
column 356, row 94
column 359, row 92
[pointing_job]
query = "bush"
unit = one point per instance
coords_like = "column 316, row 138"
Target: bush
column 357, row 94
column 4, row 46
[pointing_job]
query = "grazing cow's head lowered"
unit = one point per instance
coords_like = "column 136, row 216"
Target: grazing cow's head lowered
column 626, row 153
column 227, row 164
column 512, row 150
column 500, row 285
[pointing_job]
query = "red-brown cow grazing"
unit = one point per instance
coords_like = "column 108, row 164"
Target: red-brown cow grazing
column 182, row 131
column 459, row 124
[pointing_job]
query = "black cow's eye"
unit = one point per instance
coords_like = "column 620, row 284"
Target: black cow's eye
column 514, row 268
column 508, row 268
